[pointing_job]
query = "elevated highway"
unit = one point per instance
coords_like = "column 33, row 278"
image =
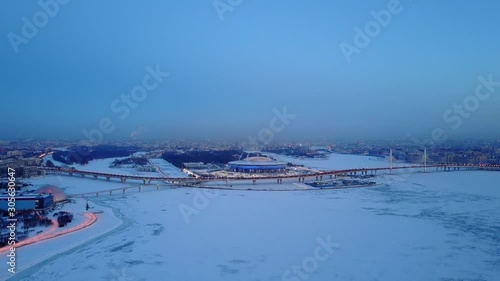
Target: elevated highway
column 254, row 177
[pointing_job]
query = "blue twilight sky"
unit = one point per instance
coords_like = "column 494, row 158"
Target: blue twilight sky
column 227, row 76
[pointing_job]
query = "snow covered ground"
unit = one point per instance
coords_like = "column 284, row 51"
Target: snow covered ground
column 103, row 165
column 442, row 226
column 336, row 161
column 168, row 169
column 33, row 256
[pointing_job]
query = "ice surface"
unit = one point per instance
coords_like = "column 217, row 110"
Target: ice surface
column 335, row 161
column 414, row 226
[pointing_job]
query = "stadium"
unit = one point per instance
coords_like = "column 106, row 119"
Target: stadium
column 255, row 162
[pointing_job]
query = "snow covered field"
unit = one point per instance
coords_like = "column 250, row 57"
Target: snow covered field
column 336, row 161
column 422, row 226
column 103, row 165
column 168, row 169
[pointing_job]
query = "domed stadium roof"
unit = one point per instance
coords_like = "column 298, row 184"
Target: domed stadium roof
column 58, row 193
column 256, row 162
column 259, row 159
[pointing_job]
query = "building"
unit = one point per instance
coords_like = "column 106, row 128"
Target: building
column 29, row 171
column 255, row 162
column 194, row 165
column 30, row 201
column 15, row 153
column 25, row 167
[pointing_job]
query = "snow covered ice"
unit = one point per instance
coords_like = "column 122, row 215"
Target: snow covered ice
column 441, row 226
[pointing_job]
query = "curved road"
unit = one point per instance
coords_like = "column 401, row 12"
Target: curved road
column 52, row 232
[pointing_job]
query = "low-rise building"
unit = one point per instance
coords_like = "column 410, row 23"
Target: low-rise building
column 30, row 201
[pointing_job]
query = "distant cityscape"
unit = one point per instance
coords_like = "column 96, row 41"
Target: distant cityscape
column 26, row 156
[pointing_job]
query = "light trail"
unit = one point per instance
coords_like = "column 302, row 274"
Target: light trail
column 51, row 232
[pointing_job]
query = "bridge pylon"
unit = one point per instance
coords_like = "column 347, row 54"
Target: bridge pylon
column 425, row 159
column 390, row 161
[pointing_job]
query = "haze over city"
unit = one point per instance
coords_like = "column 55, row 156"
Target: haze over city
column 228, row 70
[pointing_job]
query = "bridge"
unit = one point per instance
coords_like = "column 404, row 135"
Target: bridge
column 318, row 176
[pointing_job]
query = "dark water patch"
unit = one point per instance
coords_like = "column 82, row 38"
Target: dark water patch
column 134, row 262
column 227, row 270
column 462, row 279
column 237, row 261
column 157, row 228
column 125, row 246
